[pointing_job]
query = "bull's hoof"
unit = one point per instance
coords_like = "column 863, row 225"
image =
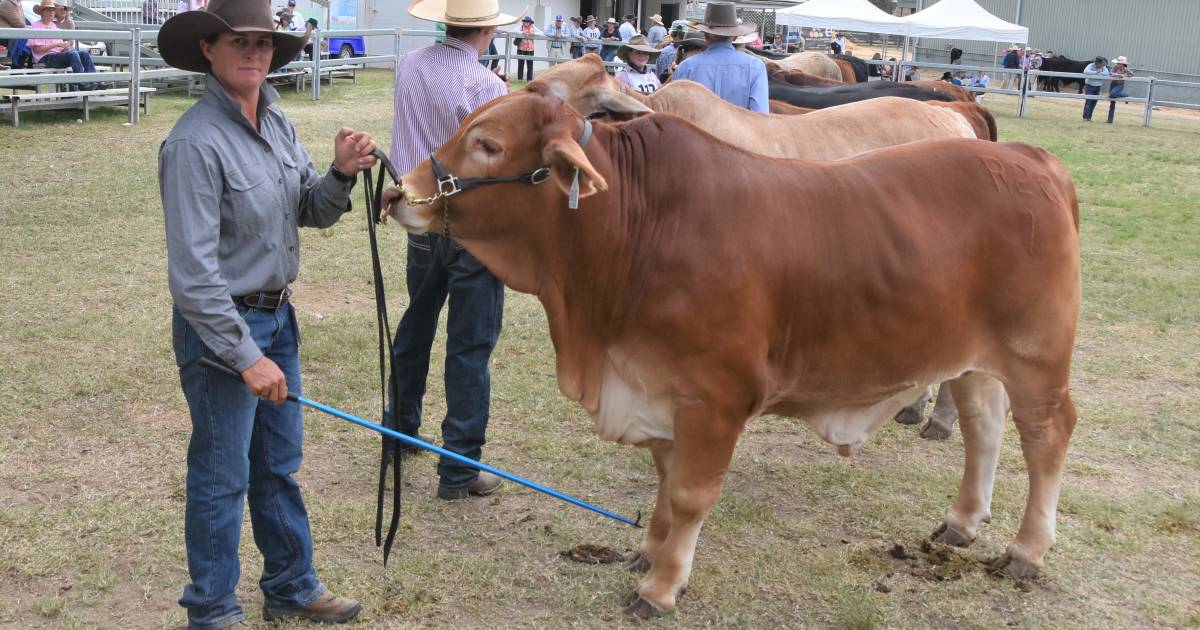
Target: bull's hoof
column 909, row 415
column 934, row 431
column 948, row 535
column 643, row 608
column 638, row 563
column 1013, row 567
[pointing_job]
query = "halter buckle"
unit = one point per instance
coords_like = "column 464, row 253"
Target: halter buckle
column 448, row 185
column 539, row 176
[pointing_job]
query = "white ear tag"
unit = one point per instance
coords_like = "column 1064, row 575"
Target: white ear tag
column 573, row 196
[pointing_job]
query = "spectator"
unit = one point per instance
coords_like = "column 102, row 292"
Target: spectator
column 628, row 29
column 777, row 44
column 576, row 27
column 657, row 31
column 610, row 34
column 951, row 79
column 310, row 25
column 1091, row 87
column 297, row 17
column 186, row 5
column 735, row 77
column 843, row 45
column 285, row 21
column 1116, row 89
column 62, row 15
column 872, row 69
column 1012, row 61
column 436, row 89
column 980, row 80
column 150, row 12
column 56, row 53
column 230, row 259
column 591, row 36
column 525, row 49
column 666, row 55
column 560, row 37
column 886, row 72
column 835, row 48
column 956, row 56
column 639, row 71
column 11, row 16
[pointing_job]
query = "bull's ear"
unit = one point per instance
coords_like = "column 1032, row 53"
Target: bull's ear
column 617, row 105
column 571, row 170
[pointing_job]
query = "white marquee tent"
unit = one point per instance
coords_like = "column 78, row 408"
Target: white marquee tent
column 848, row 15
column 963, row 19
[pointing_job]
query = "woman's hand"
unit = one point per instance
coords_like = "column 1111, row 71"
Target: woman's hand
column 352, row 151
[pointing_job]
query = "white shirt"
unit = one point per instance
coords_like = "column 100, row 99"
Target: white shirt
column 627, row 30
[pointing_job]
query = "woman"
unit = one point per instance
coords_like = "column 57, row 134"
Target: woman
column 236, row 184
column 525, row 48
column 1116, row 89
column 609, row 34
column 639, row 71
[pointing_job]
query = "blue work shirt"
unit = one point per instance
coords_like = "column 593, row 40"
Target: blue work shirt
column 731, row 74
column 1092, row 69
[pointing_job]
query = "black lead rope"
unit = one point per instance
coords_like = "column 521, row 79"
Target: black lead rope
column 390, row 448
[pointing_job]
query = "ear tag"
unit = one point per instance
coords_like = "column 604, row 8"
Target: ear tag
column 573, row 196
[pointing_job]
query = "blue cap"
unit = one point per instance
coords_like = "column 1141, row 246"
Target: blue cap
column 558, row 18
column 526, row 19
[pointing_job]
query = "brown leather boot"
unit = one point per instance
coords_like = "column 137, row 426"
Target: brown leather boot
column 485, row 484
column 328, row 608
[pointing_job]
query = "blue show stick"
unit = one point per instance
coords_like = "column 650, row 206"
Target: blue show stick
column 396, row 435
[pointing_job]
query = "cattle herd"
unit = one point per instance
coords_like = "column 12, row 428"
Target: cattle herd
column 701, row 265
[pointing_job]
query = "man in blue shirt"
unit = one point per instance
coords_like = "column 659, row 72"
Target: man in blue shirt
column 1091, row 87
column 732, row 75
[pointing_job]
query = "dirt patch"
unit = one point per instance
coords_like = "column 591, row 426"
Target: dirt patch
column 593, row 554
column 931, row 561
column 320, row 302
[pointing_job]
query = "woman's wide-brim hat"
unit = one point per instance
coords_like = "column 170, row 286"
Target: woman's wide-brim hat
column 179, row 38
column 638, row 43
column 464, row 13
column 41, row 8
column 720, row 18
column 1121, row 59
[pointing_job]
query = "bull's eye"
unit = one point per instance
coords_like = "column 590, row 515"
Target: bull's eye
column 489, row 148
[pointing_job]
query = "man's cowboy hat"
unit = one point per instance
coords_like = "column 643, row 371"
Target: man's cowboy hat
column 694, row 40
column 41, row 8
column 62, row 3
column 639, row 43
column 465, row 13
column 1015, row 47
column 720, row 18
column 746, row 39
column 656, row 18
column 611, row 21
column 179, row 38
column 1121, row 59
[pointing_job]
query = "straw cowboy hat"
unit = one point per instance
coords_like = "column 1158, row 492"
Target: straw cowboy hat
column 720, row 18
column 639, row 43
column 179, row 39
column 657, row 19
column 1121, row 60
column 465, row 13
column 41, row 8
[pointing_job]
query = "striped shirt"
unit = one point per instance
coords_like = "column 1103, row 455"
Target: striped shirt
column 437, row 87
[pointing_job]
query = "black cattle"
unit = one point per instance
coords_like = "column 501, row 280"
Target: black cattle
column 822, row 97
column 766, row 54
column 1061, row 64
column 860, row 67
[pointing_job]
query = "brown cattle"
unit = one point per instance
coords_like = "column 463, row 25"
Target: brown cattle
column 847, row 71
column 798, row 77
column 680, row 308
column 784, row 109
column 954, row 91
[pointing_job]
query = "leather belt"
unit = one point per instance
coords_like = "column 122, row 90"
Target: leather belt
column 268, row 300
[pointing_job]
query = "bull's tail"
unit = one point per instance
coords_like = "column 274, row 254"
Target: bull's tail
column 993, row 135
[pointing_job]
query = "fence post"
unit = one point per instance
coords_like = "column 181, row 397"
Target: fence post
column 1023, row 85
column 135, row 81
column 1149, row 102
column 508, row 39
column 316, row 65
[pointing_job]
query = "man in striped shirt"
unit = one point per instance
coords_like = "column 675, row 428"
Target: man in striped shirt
column 437, row 87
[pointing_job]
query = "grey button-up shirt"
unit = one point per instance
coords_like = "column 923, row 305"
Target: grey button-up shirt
column 233, row 198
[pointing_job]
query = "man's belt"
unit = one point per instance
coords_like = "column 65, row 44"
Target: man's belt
column 269, row 300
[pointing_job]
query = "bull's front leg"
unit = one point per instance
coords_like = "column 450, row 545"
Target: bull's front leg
column 660, row 523
column 704, row 442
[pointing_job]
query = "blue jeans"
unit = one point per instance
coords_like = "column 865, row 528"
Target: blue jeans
column 243, row 447
column 1090, row 105
column 438, row 268
column 77, row 61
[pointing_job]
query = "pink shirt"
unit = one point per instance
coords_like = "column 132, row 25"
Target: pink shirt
column 42, row 42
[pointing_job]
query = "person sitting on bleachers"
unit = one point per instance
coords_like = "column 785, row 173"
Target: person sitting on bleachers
column 11, row 16
column 54, row 52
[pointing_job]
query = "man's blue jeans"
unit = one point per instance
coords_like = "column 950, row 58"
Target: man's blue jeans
column 438, row 268
column 1090, row 105
column 77, row 61
column 243, row 447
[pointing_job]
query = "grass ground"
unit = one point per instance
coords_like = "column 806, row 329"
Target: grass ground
column 93, row 428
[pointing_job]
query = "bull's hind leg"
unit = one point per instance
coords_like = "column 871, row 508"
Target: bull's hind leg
column 704, row 442
column 1045, row 423
column 983, row 406
column 660, row 523
column 914, row 413
column 944, row 415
